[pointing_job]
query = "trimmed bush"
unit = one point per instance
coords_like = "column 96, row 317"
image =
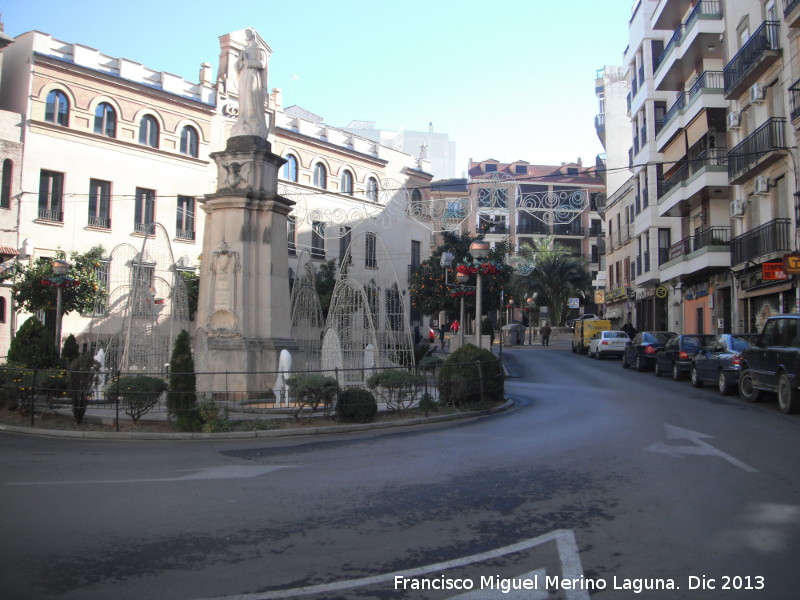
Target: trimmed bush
column 70, row 350
column 138, row 393
column 309, row 391
column 398, row 389
column 182, row 394
column 470, row 375
column 358, row 405
column 33, row 347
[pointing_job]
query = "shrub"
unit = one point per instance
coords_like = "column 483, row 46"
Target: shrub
column 138, row 393
column 470, row 374
column 21, row 386
column 33, row 347
column 357, row 404
column 182, row 394
column 309, row 391
column 398, row 389
column 421, row 350
column 428, row 404
column 70, row 351
column 83, row 376
column 214, row 418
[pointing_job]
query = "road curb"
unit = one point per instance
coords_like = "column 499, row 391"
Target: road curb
column 242, row 435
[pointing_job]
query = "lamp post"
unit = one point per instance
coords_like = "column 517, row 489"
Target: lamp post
column 479, row 250
column 60, row 269
column 462, row 278
column 529, row 302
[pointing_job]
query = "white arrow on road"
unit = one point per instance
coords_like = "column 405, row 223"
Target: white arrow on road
column 698, row 447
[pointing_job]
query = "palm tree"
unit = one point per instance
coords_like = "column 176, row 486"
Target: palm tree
column 555, row 275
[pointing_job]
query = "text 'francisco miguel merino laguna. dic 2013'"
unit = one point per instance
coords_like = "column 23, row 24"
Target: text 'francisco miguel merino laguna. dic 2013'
column 546, row 582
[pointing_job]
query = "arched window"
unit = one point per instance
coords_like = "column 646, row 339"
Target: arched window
column 189, row 141
column 347, row 183
column 56, row 109
column 372, row 189
column 320, row 176
column 148, row 131
column 5, row 187
column 2, row 310
column 290, row 168
column 105, row 120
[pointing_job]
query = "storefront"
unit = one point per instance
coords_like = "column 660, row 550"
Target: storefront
column 764, row 291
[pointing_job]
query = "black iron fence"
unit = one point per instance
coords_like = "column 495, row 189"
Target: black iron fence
column 774, row 236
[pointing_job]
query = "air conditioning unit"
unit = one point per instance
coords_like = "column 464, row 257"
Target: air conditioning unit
column 761, row 186
column 734, row 120
column 756, row 93
column 737, row 208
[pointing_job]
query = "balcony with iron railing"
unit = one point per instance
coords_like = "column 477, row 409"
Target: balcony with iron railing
column 570, row 229
column 794, row 98
column 144, row 228
column 758, row 150
column 692, row 41
column 99, row 222
column 791, row 13
column 707, row 170
column 706, row 92
column 51, row 215
column 769, row 238
column 749, row 63
column 184, row 234
column 707, row 249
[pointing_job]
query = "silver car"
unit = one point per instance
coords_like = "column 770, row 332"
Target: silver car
column 607, row 343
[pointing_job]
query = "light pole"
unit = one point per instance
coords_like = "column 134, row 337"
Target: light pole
column 479, row 250
column 462, row 278
column 529, row 302
column 60, row 269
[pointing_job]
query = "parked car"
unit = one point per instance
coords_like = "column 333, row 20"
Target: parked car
column 676, row 355
column 608, row 343
column 721, row 362
column 641, row 352
column 772, row 363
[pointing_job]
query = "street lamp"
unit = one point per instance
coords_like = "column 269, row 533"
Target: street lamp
column 529, row 302
column 479, row 250
column 60, row 269
column 462, row 279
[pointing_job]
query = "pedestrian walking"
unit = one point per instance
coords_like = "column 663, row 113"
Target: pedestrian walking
column 545, row 333
column 442, row 331
column 431, row 336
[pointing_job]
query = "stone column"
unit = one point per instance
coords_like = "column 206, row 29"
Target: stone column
column 243, row 316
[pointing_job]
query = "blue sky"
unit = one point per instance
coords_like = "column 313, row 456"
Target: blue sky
column 506, row 80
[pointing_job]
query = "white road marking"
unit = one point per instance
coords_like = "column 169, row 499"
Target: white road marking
column 698, row 447
column 223, row 472
column 565, row 542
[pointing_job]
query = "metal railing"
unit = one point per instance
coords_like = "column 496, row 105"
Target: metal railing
column 770, row 237
column 101, row 222
column 711, row 236
column 794, row 97
column 184, row 234
column 767, row 138
column 51, row 215
column 704, row 9
column 763, row 39
column 145, row 228
column 789, row 6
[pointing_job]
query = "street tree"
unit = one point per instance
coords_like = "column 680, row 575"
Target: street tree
column 557, row 275
column 34, row 286
column 430, row 292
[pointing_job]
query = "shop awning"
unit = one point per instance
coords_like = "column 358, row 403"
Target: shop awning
column 763, row 291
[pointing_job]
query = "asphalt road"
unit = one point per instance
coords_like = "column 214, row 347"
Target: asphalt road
column 602, row 478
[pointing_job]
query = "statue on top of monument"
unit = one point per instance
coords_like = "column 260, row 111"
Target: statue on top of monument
column 252, row 69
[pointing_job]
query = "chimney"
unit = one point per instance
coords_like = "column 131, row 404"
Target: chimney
column 205, row 74
column 580, row 162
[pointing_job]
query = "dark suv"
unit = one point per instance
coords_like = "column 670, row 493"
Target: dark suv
column 772, row 363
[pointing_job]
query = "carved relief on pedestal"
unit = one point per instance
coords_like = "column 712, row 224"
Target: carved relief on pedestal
column 237, row 176
column 225, row 268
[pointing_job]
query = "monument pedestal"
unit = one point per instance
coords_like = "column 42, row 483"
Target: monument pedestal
column 244, row 312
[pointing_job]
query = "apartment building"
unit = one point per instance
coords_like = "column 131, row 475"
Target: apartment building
column 518, row 202
column 112, row 147
column 613, row 129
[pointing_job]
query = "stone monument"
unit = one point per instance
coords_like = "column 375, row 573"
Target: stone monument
column 243, row 316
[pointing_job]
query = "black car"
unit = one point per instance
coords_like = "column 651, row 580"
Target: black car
column 772, row 363
column 720, row 362
column 676, row 355
column 641, row 353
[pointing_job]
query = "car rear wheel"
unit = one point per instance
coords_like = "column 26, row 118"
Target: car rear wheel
column 696, row 381
column 657, row 370
column 676, row 372
column 788, row 395
column 746, row 389
column 598, row 355
column 724, row 387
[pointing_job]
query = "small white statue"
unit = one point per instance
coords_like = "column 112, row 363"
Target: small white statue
column 252, row 68
column 284, row 368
